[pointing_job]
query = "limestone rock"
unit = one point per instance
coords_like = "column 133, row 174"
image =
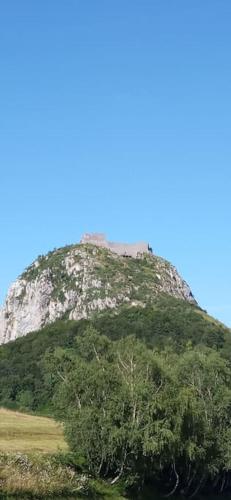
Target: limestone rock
column 76, row 281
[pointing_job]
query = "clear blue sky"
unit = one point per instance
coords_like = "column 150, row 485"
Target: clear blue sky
column 115, row 117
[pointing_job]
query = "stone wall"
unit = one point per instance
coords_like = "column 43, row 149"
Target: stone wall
column 123, row 249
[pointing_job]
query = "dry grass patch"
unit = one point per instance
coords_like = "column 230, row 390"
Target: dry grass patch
column 39, row 476
column 24, row 433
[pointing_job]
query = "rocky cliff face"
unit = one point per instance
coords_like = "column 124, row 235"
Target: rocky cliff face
column 76, row 281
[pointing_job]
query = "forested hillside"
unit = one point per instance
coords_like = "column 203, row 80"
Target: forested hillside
column 144, row 394
column 168, row 323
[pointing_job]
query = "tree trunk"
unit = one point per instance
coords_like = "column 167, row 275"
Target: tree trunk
column 176, row 483
column 199, row 486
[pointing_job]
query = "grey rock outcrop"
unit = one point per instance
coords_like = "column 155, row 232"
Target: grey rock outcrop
column 76, row 281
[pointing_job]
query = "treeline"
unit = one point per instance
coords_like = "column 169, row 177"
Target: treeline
column 170, row 322
column 143, row 415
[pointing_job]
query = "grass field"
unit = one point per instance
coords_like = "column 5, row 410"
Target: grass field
column 30, row 466
column 24, row 433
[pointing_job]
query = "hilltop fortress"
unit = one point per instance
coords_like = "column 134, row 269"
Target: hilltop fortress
column 76, row 282
column 123, row 249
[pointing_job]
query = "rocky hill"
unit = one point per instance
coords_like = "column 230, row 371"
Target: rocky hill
column 76, row 281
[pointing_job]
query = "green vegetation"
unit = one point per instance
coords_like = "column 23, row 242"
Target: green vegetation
column 169, row 322
column 34, row 461
column 53, row 260
column 144, row 415
column 54, row 264
column 138, row 276
column 39, row 476
column 144, row 396
column 139, row 279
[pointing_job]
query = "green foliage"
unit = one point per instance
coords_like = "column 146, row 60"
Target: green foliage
column 133, row 412
column 140, row 280
column 145, row 394
column 169, row 322
column 138, row 276
column 40, row 476
column 25, row 399
column 53, row 260
column 53, row 263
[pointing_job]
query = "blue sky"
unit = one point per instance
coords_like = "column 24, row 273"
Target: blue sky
column 115, row 117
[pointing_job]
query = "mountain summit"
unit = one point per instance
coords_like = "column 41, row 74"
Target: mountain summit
column 79, row 280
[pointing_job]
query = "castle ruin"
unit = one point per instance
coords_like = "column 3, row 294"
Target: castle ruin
column 122, row 249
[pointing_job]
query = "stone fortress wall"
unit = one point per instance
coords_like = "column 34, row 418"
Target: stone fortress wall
column 123, row 249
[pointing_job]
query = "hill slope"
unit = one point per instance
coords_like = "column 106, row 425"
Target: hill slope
column 167, row 322
column 75, row 281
